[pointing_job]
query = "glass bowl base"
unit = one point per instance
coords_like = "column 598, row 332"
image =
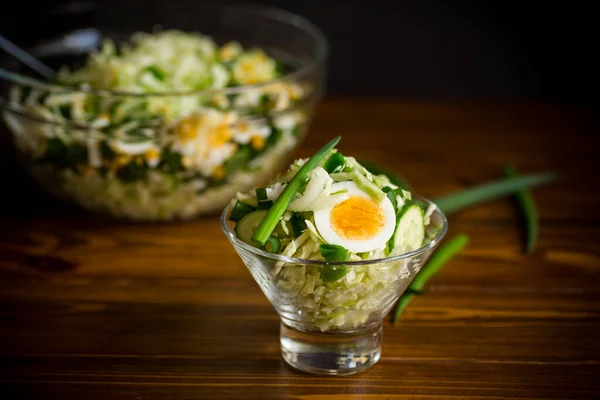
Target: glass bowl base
column 331, row 353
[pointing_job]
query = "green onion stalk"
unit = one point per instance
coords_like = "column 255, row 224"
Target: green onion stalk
column 528, row 211
column 433, row 265
column 270, row 220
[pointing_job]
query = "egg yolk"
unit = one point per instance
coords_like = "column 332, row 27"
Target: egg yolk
column 257, row 142
column 219, row 172
column 228, row 52
column 357, row 218
column 188, row 129
column 152, row 154
column 219, row 136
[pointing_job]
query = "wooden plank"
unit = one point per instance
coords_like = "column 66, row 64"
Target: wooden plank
column 100, row 309
column 490, row 326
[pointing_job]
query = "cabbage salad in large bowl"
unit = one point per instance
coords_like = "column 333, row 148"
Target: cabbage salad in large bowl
column 331, row 245
column 164, row 125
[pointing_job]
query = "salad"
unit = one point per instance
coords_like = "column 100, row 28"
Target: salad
column 330, row 208
column 167, row 125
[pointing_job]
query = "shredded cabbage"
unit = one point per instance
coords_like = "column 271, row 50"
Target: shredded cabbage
column 369, row 187
column 318, row 193
column 429, row 213
column 345, row 304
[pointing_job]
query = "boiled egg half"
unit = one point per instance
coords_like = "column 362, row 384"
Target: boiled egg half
column 359, row 223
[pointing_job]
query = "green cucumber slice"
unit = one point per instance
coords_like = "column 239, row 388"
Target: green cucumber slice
column 246, row 226
column 240, row 210
column 410, row 229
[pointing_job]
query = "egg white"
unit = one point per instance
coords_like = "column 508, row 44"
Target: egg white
column 197, row 151
column 323, row 222
column 132, row 149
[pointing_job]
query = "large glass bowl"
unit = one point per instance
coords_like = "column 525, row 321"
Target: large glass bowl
column 334, row 327
column 159, row 184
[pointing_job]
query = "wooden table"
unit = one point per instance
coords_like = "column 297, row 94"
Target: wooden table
column 92, row 309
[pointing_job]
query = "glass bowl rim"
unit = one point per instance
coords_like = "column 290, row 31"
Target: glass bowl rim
column 271, row 12
column 293, row 260
column 23, row 112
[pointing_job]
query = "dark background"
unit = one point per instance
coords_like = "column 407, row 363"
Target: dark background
column 431, row 50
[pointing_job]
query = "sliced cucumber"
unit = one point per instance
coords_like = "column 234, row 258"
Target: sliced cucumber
column 240, row 210
column 245, row 227
column 410, row 229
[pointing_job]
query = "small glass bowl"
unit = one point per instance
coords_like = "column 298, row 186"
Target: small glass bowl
column 334, row 328
column 158, row 184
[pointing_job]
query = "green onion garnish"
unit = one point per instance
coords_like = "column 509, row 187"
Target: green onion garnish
column 335, row 161
column 333, row 253
column 273, row 245
column 261, row 194
column 263, row 201
column 267, row 225
column 333, row 273
column 265, row 205
column 240, row 210
column 438, row 259
column 466, row 198
column 392, row 194
column 528, row 211
column 298, row 223
column 157, row 72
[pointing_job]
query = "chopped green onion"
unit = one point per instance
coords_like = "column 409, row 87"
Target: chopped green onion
column 263, row 201
column 171, row 161
column 274, row 244
column 335, row 161
column 270, row 220
column 437, row 260
column 65, row 110
column 157, row 72
column 136, row 137
column 94, row 105
column 298, row 223
column 261, row 194
column 333, row 253
column 273, row 137
column 392, row 194
column 240, row 210
column 466, row 198
column 265, row 205
column 238, row 161
column 333, row 273
column 528, row 211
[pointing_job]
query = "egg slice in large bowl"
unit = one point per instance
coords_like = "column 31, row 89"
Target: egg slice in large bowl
column 160, row 122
